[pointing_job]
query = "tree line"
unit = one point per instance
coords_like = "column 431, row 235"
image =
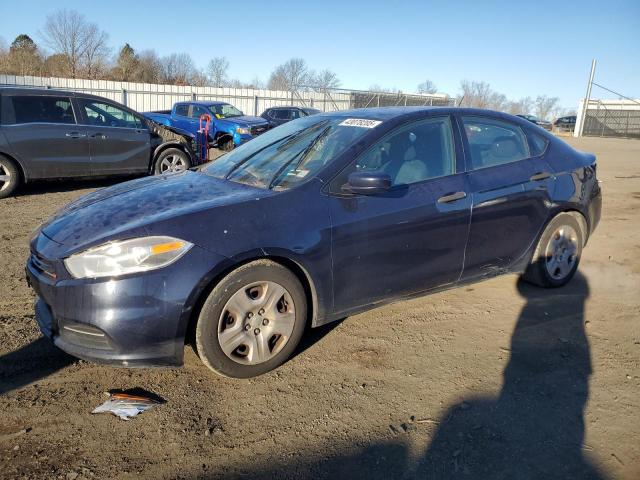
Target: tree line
column 74, row 47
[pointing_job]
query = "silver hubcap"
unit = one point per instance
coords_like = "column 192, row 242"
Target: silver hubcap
column 256, row 323
column 5, row 177
column 172, row 163
column 561, row 252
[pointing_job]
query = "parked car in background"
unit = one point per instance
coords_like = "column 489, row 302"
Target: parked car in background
column 279, row 115
column 565, row 123
column 323, row 217
column 537, row 121
column 229, row 127
column 47, row 134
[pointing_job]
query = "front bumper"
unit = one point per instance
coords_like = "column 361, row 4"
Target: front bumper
column 134, row 321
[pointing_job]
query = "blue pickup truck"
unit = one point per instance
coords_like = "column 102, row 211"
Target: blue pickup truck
column 229, row 126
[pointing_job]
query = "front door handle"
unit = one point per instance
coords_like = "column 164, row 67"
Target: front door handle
column 452, row 197
column 540, row 176
column 75, row 135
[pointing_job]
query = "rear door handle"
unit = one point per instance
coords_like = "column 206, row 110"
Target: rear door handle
column 75, row 135
column 540, row 176
column 452, row 197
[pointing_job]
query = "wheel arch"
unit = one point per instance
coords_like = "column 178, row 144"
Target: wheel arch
column 165, row 146
column 298, row 270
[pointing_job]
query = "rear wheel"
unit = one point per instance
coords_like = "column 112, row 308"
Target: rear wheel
column 558, row 252
column 252, row 320
column 172, row 160
column 9, row 177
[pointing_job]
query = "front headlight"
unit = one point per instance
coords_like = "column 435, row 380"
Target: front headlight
column 243, row 131
column 127, row 256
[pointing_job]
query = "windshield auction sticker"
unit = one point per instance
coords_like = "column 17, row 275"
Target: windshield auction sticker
column 360, row 122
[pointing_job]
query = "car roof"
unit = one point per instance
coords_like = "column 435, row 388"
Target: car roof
column 204, row 103
column 387, row 113
column 49, row 91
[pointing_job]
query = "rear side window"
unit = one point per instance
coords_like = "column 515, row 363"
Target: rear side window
column 538, row 144
column 107, row 115
column 494, row 142
column 182, row 110
column 282, row 114
column 42, row 109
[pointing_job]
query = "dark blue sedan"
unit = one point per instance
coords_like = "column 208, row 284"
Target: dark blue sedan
column 318, row 219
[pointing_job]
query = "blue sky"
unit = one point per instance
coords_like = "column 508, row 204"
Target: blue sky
column 520, row 48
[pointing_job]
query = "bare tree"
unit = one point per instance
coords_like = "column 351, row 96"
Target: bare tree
column 217, row 70
column 323, row 80
column 57, row 65
column 67, row 32
column 481, row 95
column 178, row 68
column 427, row 87
column 290, row 75
column 544, row 105
column 256, row 83
column 96, row 52
column 520, row 107
column 149, row 67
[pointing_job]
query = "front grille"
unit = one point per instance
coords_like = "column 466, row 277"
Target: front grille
column 43, row 265
column 258, row 129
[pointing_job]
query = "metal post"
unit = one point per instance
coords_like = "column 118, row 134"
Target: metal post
column 255, row 105
column 124, row 97
column 585, row 105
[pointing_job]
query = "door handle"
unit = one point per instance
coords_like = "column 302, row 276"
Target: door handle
column 539, row 176
column 75, row 135
column 452, row 197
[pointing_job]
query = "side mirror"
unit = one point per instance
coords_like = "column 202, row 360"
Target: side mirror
column 367, row 183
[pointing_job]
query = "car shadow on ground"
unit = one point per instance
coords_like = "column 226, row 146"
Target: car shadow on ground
column 534, row 428
column 31, row 363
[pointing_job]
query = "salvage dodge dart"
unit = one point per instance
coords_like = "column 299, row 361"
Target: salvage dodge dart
column 318, row 219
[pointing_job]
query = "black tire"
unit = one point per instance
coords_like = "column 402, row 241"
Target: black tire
column 172, row 160
column 211, row 320
column 9, row 177
column 545, row 270
column 227, row 145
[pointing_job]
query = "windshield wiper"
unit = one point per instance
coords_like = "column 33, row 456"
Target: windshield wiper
column 245, row 160
column 302, row 155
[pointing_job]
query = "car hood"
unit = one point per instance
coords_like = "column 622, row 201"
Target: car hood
column 125, row 210
column 243, row 121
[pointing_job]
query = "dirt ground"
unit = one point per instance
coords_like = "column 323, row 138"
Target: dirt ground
column 498, row 379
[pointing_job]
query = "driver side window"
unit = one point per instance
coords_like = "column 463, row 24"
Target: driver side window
column 410, row 154
column 108, row 115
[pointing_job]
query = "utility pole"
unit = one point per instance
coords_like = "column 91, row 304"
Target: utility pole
column 585, row 105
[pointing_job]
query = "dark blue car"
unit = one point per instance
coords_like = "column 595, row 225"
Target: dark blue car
column 318, row 219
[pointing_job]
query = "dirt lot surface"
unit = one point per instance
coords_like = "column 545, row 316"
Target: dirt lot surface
column 499, row 379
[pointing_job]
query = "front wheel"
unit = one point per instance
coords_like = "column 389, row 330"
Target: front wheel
column 252, row 320
column 558, row 252
column 172, row 160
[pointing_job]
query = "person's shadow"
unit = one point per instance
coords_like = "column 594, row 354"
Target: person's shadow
column 535, row 427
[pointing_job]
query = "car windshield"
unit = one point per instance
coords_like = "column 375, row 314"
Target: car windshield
column 287, row 155
column 224, row 110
